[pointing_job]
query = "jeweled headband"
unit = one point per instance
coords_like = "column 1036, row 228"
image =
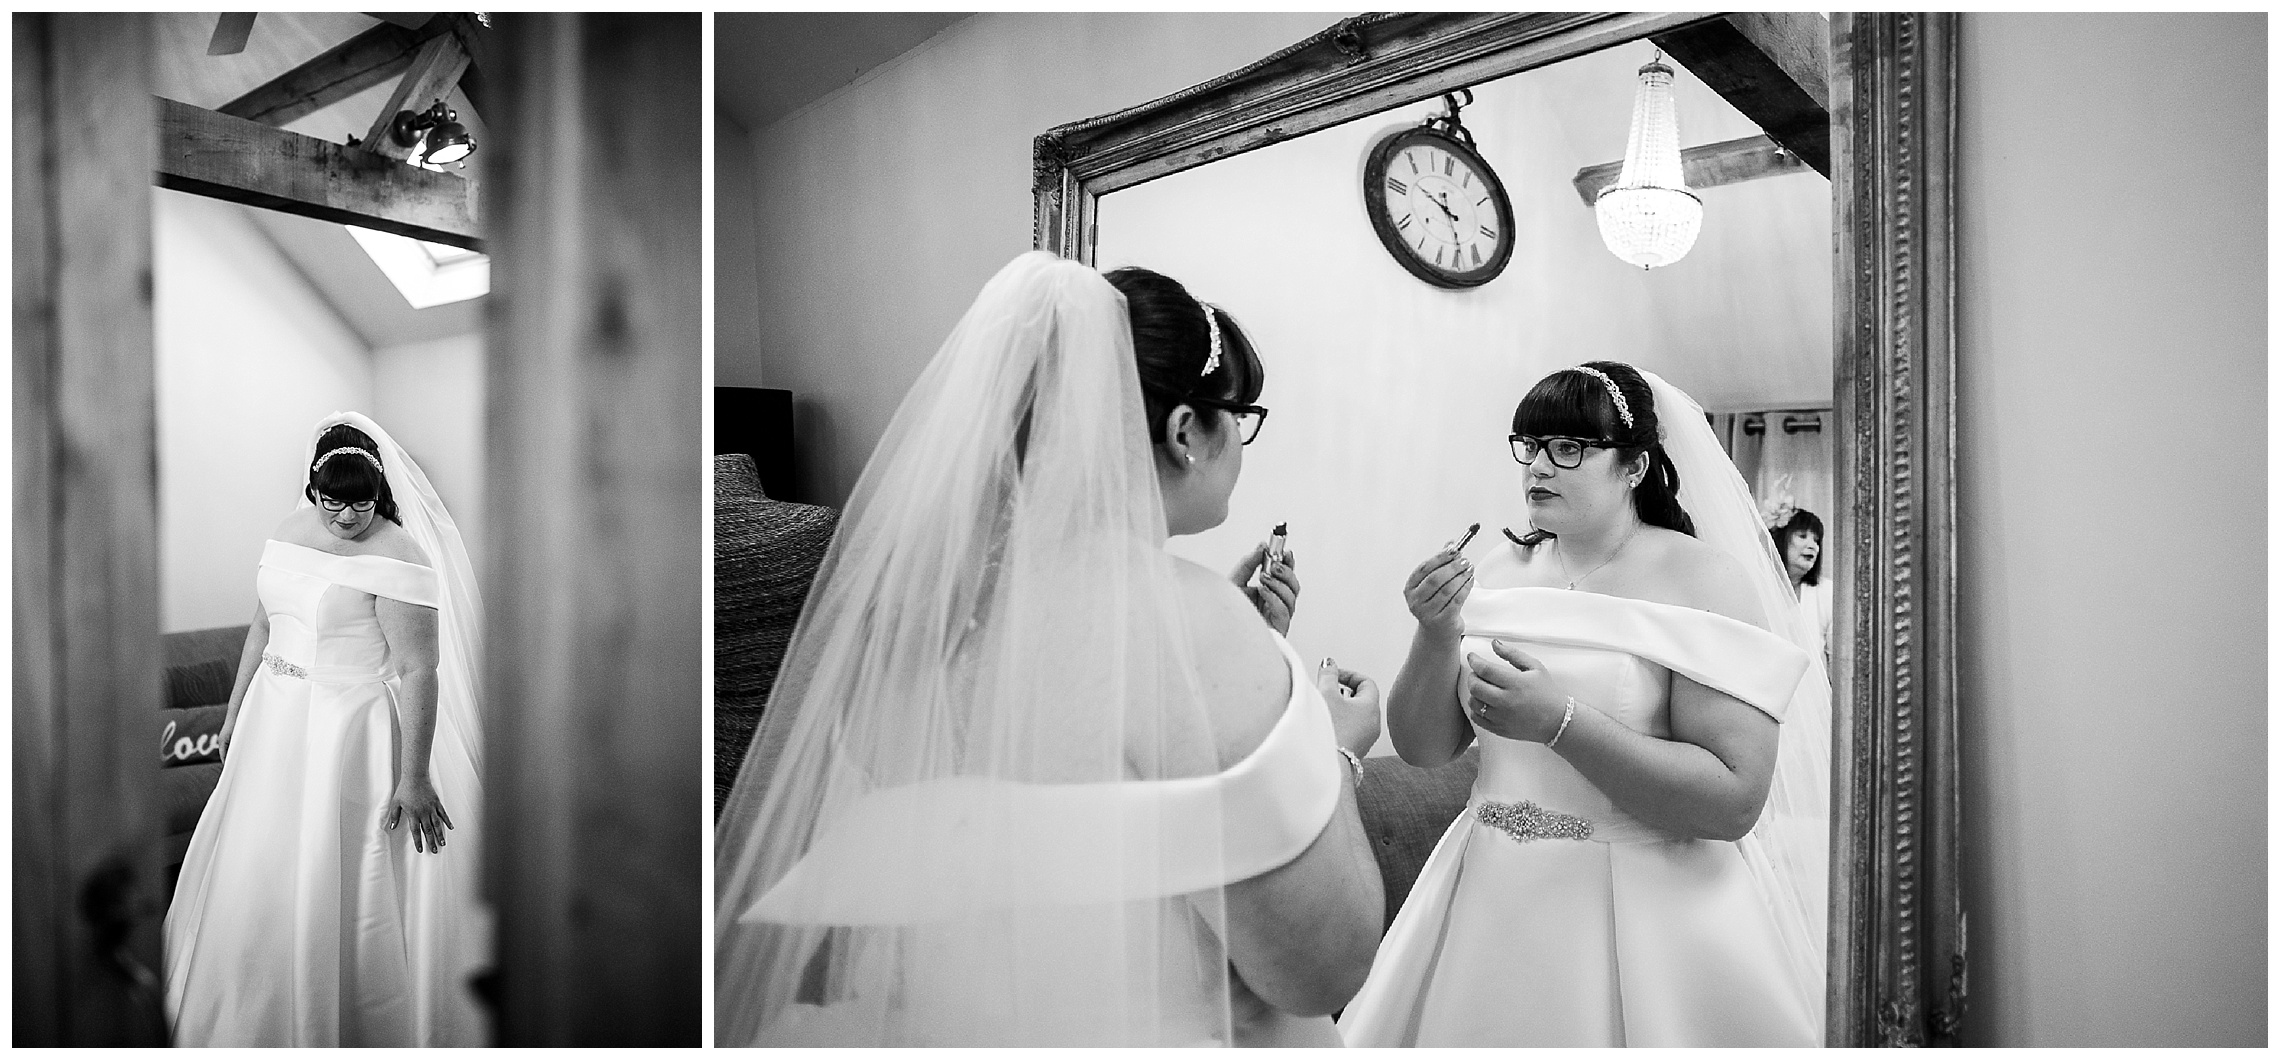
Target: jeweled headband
column 330, row 453
column 1622, row 407
column 1211, row 318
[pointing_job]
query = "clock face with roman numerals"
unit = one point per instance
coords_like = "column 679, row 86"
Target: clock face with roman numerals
column 1438, row 208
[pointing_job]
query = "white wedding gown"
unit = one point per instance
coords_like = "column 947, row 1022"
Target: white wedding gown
column 1266, row 810
column 298, row 920
column 1630, row 937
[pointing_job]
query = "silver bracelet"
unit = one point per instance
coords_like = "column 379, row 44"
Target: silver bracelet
column 1562, row 730
column 1354, row 761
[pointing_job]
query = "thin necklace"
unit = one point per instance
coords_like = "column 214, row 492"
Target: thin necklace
column 1561, row 555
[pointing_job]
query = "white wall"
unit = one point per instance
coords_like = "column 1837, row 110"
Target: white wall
column 1391, row 399
column 2113, row 378
column 249, row 358
column 429, row 397
column 884, row 207
column 736, row 279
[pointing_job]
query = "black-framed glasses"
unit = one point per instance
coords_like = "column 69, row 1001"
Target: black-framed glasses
column 1248, row 418
column 331, row 505
column 1566, row 452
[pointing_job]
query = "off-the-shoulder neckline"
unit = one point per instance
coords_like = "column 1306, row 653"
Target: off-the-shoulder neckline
column 1612, row 599
column 360, row 555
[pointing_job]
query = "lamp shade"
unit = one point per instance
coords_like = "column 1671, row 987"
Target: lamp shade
column 1647, row 217
column 449, row 142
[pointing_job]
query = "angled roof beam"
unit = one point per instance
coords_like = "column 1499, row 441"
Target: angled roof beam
column 1708, row 166
column 476, row 38
column 406, row 19
column 433, row 73
column 205, row 152
column 1773, row 67
column 344, row 70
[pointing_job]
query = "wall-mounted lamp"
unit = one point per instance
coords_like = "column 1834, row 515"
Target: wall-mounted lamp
column 447, row 140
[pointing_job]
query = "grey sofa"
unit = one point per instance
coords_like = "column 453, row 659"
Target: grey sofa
column 200, row 667
column 765, row 556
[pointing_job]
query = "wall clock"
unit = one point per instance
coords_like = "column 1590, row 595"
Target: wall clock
column 1436, row 205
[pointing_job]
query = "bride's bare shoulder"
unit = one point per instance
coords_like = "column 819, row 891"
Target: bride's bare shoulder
column 395, row 542
column 1506, row 564
column 1691, row 573
column 1245, row 678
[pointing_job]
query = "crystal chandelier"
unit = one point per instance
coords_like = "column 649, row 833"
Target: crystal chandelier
column 1647, row 217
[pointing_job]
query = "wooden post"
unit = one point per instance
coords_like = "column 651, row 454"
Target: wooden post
column 85, row 635
column 596, row 758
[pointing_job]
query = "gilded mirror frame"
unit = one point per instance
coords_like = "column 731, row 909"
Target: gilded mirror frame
column 1896, row 947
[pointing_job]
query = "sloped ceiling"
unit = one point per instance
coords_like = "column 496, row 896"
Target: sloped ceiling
column 774, row 64
column 321, row 251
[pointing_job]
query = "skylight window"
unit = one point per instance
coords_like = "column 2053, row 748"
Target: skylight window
column 426, row 274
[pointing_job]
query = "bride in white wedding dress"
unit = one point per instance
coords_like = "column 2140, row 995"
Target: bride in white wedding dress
column 1042, row 783
column 1644, row 857
column 328, row 896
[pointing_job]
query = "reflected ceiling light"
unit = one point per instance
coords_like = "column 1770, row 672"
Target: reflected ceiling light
column 447, row 140
column 1647, row 217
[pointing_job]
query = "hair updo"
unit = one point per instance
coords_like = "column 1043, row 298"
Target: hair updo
column 350, row 477
column 1576, row 405
column 1800, row 522
column 1171, row 343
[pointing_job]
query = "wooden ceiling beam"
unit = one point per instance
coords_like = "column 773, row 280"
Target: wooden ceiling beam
column 406, row 19
column 1707, row 166
column 205, row 152
column 1773, row 67
column 433, row 73
column 476, row 38
column 362, row 61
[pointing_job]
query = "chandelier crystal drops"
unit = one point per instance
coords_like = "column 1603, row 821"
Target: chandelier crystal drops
column 1647, row 217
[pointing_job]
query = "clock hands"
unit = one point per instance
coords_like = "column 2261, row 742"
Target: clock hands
column 1441, row 199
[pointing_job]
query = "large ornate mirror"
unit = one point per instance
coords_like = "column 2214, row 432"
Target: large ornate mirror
column 1829, row 377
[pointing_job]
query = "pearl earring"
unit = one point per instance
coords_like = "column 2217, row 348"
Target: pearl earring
column 1191, row 458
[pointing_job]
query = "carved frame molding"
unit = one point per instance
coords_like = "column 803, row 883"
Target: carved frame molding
column 1896, row 952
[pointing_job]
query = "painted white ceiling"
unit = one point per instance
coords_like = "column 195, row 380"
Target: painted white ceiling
column 773, row 64
column 321, row 251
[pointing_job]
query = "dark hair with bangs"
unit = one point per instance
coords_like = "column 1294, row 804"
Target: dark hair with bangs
column 1573, row 404
column 1171, row 342
column 349, row 477
column 1800, row 522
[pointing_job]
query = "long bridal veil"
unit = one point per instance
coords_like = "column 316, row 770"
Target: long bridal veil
column 949, row 846
column 1791, row 855
column 449, row 935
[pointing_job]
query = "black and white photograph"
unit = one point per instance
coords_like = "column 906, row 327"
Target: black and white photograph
column 1489, row 529
column 357, row 413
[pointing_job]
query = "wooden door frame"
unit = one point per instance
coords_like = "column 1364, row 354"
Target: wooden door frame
column 85, row 607
column 596, row 792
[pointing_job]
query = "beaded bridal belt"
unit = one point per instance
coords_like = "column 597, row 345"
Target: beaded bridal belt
column 282, row 668
column 1525, row 821
column 323, row 675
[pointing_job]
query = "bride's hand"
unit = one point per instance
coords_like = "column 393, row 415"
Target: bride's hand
column 1276, row 595
column 415, row 803
column 1353, row 700
column 1513, row 695
column 1436, row 592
